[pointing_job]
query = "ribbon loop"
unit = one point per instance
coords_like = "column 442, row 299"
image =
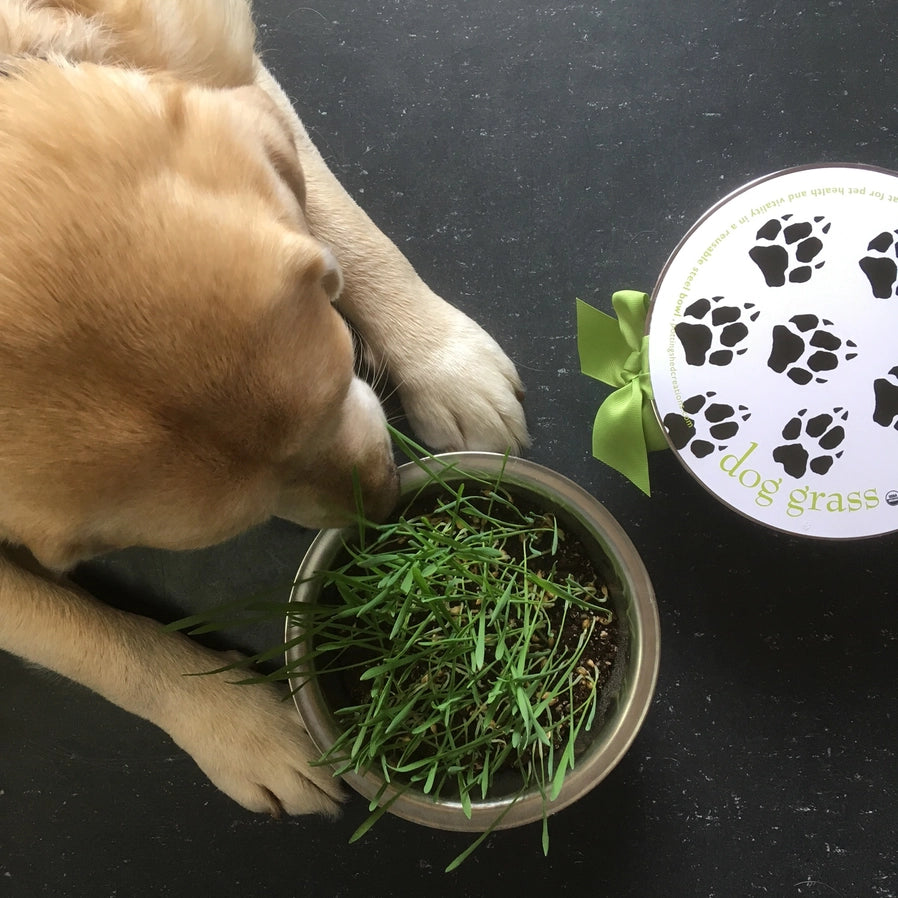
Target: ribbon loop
column 615, row 352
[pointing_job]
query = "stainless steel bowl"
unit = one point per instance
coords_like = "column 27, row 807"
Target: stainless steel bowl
column 631, row 597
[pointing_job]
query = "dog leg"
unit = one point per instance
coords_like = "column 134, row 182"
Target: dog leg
column 458, row 388
column 246, row 739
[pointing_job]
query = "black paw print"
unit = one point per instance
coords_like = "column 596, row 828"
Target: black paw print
column 716, row 339
column 811, row 442
column 880, row 267
column 805, row 340
column 885, row 390
column 716, row 420
column 789, row 248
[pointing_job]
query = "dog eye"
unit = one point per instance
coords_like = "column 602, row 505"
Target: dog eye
column 286, row 164
column 332, row 277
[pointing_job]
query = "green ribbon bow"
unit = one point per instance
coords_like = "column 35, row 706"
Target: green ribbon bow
column 616, row 353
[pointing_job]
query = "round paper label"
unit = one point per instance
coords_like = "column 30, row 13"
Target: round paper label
column 773, row 351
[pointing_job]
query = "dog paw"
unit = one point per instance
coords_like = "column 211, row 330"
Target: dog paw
column 251, row 744
column 711, row 425
column 789, row 249
column 461, row 392
column 880, row 266
column 811, row 443
column 885, row 389
column 714, row 337
column 805, row 350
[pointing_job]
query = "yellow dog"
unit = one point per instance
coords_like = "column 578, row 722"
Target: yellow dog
column 176, row 262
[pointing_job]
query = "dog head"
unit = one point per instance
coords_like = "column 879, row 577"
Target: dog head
column 174, row 370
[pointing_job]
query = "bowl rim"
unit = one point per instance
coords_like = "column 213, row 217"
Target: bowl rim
column 615, row 736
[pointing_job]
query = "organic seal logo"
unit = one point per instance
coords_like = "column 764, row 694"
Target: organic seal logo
column 892, row 497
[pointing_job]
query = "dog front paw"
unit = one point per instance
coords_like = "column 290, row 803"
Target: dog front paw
column 461, row 392
column 251, row 744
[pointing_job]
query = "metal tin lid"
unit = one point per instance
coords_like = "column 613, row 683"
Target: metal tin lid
column 773, row 351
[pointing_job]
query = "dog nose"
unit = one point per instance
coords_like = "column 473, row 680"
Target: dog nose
column 381, row 502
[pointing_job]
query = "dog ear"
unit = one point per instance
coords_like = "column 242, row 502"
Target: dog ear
column 314, row 265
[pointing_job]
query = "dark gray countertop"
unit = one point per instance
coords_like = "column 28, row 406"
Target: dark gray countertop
column 523, row 156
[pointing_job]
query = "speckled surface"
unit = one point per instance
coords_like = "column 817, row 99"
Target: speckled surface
column 522, row 157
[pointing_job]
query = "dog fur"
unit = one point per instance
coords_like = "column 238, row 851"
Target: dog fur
column 177, row 265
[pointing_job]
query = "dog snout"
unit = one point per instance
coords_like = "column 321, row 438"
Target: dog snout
column 379, row 503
